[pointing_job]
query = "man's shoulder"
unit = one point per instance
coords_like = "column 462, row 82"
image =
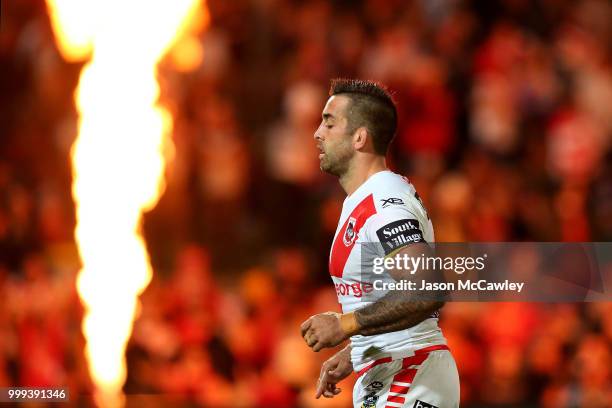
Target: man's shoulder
column 398, row 209
column 392, row 191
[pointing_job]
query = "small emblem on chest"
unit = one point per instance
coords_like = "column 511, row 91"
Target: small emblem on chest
column 350, row 234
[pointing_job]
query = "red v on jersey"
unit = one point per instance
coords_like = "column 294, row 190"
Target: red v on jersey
column 382, row 201
column 347, row 235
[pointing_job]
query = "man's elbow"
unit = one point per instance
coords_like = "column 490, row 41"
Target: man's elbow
column 436, row 305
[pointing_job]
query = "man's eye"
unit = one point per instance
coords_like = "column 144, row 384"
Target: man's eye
column 329, row 126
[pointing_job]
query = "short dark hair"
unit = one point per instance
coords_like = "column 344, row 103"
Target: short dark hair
column 372, row 106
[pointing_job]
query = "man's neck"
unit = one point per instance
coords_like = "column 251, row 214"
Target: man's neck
column 360, row 172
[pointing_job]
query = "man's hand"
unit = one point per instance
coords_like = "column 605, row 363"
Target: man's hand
column 334, row 370
column 323, row 330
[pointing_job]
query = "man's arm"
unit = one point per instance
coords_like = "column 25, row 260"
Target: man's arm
column 398, row 309
column 400, row 324
column 334, row 370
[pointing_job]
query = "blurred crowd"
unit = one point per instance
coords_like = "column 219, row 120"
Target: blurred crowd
column 505, row 130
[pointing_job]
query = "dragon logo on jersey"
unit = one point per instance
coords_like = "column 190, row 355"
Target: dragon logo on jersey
column 350, row 234
column 370, row 401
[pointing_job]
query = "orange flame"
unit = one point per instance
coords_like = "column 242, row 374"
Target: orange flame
column 118, row 159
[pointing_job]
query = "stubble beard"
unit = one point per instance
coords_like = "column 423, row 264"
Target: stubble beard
column 336, row 164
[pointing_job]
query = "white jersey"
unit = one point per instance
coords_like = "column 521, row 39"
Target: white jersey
column 381, row 216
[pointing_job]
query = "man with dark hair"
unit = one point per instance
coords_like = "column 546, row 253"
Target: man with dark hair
column 395, row 345
column 371, row 106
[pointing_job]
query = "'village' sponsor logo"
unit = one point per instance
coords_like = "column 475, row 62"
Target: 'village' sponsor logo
column 398, row 234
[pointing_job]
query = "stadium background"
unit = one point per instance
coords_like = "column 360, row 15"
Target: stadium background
column 505, row 128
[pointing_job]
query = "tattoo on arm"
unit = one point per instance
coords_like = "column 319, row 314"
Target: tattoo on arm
column 394, row 311
column 370, row 321
column 398, row 309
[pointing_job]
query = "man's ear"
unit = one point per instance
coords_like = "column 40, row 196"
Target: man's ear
column 360, row 138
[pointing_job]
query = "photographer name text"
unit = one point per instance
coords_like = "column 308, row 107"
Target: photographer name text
column 470, row 285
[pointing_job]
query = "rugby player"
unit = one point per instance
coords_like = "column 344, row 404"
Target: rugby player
column 396, row 347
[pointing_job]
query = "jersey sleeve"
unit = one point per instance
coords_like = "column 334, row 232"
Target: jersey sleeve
column 394, row 228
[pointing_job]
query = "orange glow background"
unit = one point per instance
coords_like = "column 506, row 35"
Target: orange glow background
column 505, row 131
